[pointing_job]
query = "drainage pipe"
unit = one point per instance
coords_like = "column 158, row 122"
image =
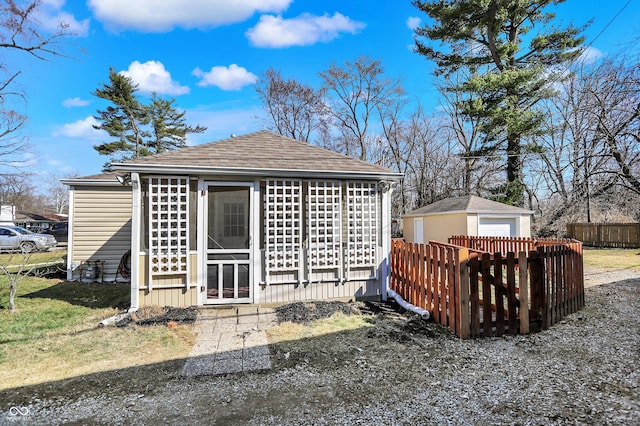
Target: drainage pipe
column 408, row 306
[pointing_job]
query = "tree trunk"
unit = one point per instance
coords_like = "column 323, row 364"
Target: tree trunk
column 514, row 193
column 13, row 288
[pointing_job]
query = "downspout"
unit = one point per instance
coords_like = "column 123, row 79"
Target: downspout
column 71, row 266
column 135, row 242
column 387, row 189
column 385, row 269
column 408, row 306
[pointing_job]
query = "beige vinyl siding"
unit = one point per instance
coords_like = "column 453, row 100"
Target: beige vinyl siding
column 441, row 227
column 176, row 297
column 101, row 228
column 286, row 293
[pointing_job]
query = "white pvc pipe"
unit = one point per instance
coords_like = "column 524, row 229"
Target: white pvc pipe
column 408, row 306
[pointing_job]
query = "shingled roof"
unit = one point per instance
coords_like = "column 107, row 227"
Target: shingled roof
column 261, row 153
column 468, row 204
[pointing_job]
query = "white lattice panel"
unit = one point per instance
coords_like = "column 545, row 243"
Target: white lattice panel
column 282, row 224
column 362, row 224
column 324, row 224
column 168, row 225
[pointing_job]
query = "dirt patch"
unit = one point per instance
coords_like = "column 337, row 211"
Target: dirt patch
column 392, row 367
column 307, row 312
column 155, row 315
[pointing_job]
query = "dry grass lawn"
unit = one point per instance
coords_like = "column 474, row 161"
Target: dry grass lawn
column 55, row 335
column 612, row 259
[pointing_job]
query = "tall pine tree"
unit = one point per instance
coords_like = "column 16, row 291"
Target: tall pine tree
column 139, row 129
column 123, row 120
column 169, row 126
column 510, row 52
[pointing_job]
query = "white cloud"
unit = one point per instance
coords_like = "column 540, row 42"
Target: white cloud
column 75, row 102
column 153, row 77
column 81, row 129
column 165, row 15
column 232, row 77
column 413, row 22
column 304, row 30
column 590, row 55
column 51, row 17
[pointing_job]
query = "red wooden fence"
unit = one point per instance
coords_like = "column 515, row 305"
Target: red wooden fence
column 505, row 244
column 475, row 293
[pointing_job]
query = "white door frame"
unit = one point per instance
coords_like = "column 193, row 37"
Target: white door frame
column 204, row 251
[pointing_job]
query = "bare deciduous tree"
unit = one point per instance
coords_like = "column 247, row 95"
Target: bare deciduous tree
column 615, row 108
column 19, row 33
column 357, row 92
column 295, row 110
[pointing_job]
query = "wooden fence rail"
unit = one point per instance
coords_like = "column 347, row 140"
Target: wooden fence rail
column 505, row 244
column 623, row 235
column 483, row 294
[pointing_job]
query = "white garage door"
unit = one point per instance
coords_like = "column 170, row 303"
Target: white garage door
column 489, row 227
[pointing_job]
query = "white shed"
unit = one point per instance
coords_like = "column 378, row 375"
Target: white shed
column 469, row 215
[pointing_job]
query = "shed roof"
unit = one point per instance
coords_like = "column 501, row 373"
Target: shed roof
column 261, row 153
column 468, row 204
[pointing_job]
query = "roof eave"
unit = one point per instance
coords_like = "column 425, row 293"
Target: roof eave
column 484, row 212
column 93, row 182
column 238, row 171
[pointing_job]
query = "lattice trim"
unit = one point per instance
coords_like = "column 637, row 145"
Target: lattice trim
column 168, row 225
column 282, row 224
column 324, row 224
column 362, row 224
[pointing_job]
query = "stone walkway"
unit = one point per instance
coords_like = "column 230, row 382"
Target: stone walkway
column 230, row 340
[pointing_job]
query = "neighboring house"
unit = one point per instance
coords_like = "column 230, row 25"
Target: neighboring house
column 37, row 222
column 258, row 218
column 470, row 215
column 7, row 215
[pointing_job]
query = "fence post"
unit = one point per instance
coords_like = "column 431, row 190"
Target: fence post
column 462, row 315
column 487, row 326
column 524, row 293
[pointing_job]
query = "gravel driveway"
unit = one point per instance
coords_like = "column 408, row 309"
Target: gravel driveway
column 398, row 371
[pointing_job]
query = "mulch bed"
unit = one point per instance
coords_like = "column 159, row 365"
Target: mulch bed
column 307, row 312
column 162, row 316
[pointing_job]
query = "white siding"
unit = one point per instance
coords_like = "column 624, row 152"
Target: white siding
column 100, row 227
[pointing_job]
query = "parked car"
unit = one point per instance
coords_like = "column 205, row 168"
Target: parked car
column 18, row 238
column 60, row 231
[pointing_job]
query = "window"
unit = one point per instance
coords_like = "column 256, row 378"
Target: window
column 325, row 218
column 362, row 223
column 283, row 224
column 168, row 204
column 234, row 220
column 324, row 224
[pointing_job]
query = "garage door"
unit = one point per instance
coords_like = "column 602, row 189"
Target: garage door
column 496, row 227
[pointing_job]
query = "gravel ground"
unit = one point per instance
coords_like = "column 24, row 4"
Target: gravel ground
column 398, row 371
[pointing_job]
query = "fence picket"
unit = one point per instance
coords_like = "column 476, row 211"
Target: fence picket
column 474, row 297
column 445, row 280
column 512, row 300
column 499, row 291
column 523, row 286
column 486, row 296
column 451, row 285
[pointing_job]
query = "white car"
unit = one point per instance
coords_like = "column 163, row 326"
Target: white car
column 17, row 238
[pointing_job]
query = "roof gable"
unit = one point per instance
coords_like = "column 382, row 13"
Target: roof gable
column 261, row 152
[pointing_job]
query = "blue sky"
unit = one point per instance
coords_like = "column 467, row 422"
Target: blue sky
column 207, row 54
